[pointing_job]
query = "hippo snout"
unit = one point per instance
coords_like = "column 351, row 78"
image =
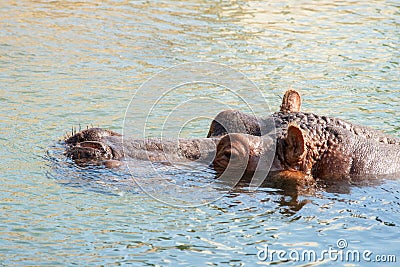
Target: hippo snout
column 89, row 151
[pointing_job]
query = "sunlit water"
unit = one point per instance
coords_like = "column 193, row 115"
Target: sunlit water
column 70, row 63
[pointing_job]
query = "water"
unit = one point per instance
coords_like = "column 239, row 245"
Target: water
column 70, row 63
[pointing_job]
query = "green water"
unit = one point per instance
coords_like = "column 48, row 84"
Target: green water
column 71, row 63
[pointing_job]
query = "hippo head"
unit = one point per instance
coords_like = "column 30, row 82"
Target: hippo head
column 247, row 155
column 88, row 146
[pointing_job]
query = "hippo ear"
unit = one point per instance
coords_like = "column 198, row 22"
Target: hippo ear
column 295, row 141
column 291, row 101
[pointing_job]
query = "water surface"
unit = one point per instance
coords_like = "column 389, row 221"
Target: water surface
column 71, row 63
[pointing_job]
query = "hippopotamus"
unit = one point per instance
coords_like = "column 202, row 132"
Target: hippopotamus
column 102, row 146
column 289, row 145
column 303, row 145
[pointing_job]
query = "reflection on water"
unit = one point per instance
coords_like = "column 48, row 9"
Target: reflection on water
column 70, row 63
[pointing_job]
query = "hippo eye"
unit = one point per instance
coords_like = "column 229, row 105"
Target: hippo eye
column 230, row 155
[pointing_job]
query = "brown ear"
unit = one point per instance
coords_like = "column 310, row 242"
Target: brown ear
column 295, row 142
column 291, row 101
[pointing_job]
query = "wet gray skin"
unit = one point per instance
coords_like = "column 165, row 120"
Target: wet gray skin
column 100, row 146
